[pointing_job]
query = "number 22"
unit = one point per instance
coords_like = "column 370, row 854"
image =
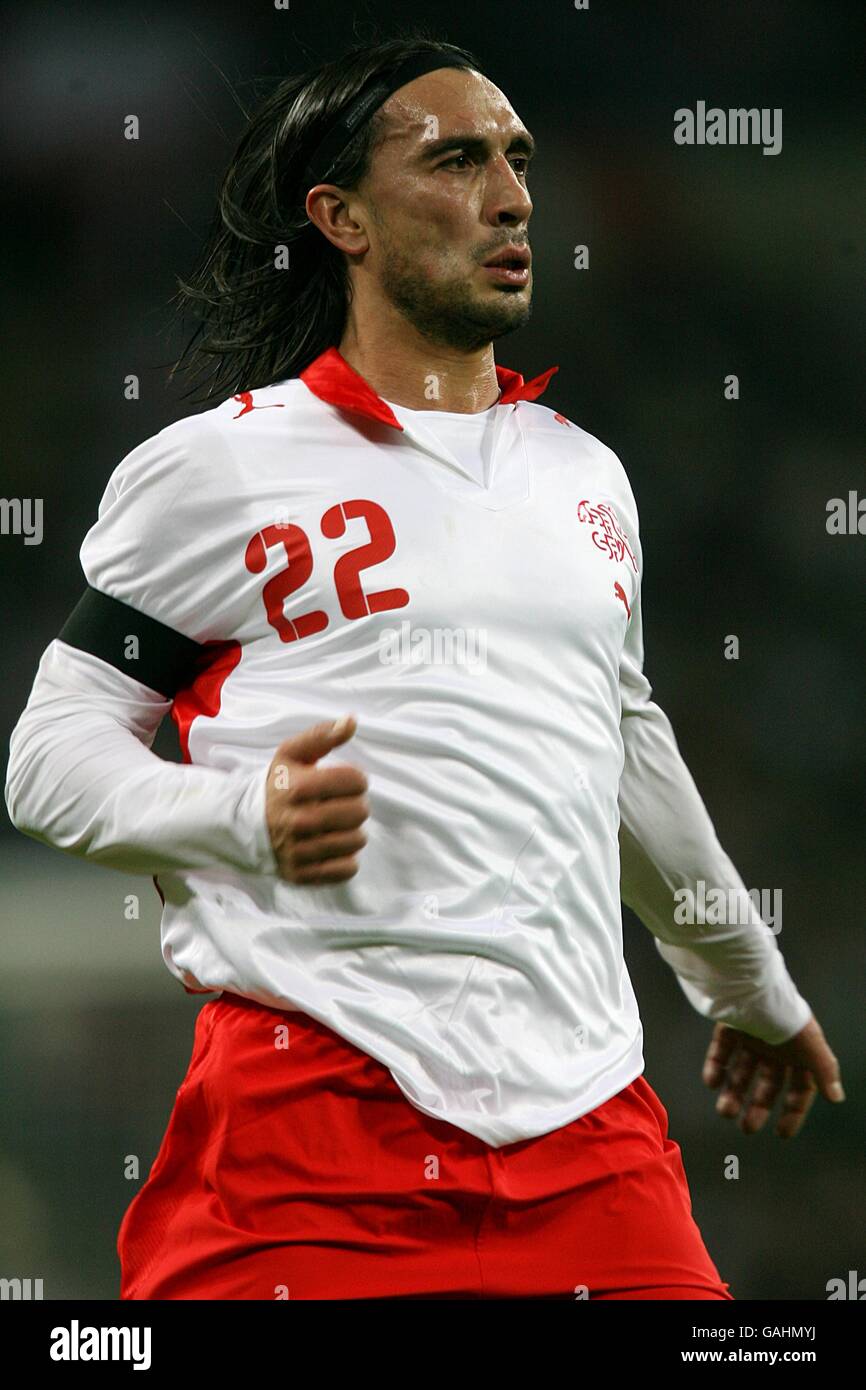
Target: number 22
column 347, row 571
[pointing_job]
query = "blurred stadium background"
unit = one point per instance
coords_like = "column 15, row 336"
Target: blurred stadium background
column 703, row 262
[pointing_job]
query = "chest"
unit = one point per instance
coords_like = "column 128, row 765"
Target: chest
column 332, row 556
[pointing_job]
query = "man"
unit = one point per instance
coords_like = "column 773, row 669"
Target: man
column 423, row 1074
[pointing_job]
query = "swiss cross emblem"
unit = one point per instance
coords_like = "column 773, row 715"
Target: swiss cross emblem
column 609, row 535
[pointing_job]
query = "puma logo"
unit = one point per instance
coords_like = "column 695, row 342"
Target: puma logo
column 620, row 593
column 246, row 400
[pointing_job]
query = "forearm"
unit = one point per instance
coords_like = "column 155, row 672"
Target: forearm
column 731, row 971
column 82, row 777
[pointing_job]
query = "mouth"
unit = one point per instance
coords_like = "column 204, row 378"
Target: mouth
column 509, row 266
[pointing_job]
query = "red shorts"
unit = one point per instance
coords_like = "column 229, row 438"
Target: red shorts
column 302, row 1171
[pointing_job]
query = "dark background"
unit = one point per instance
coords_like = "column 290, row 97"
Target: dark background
column 703, row 262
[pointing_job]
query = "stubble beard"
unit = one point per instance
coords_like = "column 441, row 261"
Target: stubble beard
column 451, row 313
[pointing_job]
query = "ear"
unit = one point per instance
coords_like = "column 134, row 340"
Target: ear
column 328, row 209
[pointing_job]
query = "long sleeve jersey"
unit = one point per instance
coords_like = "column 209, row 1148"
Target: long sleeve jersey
column 305, row 551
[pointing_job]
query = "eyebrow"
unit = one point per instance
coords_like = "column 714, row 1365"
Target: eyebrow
column 522, row 143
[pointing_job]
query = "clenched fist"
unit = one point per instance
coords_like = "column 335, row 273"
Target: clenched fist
column 314, row 814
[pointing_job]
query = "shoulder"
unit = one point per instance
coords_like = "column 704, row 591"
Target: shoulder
column 186, row 453
column 574, row 443
column 161, row 465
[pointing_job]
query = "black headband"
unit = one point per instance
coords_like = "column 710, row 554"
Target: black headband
column 361, row 108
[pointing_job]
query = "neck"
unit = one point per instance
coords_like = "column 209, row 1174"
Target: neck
column 407, row 369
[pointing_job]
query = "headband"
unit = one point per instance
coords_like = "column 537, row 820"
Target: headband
column 361, row 108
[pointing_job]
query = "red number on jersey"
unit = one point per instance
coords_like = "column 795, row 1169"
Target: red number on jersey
column 288, row 581
column 381, row 546
column 353, row 601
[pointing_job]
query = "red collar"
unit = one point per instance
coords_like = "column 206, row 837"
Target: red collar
column 332, row 379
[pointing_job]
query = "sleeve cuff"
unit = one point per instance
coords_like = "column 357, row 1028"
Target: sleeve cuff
column 774, row 1012
column 252, row 827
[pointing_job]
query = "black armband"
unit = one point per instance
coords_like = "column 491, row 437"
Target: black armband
column 141, row 647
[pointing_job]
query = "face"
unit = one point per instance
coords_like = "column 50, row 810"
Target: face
column 447, row 189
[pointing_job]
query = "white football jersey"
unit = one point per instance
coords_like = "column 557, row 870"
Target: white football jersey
column 333, row 558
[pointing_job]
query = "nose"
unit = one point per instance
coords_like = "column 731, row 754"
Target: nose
column 508, row 199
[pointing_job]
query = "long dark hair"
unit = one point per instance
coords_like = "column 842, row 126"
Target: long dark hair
column 260, row 324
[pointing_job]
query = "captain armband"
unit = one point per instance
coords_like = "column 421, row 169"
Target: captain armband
column 131, row 642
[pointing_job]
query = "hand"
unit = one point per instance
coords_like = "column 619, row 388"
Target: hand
column 804, row 1064
column 314, row 814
